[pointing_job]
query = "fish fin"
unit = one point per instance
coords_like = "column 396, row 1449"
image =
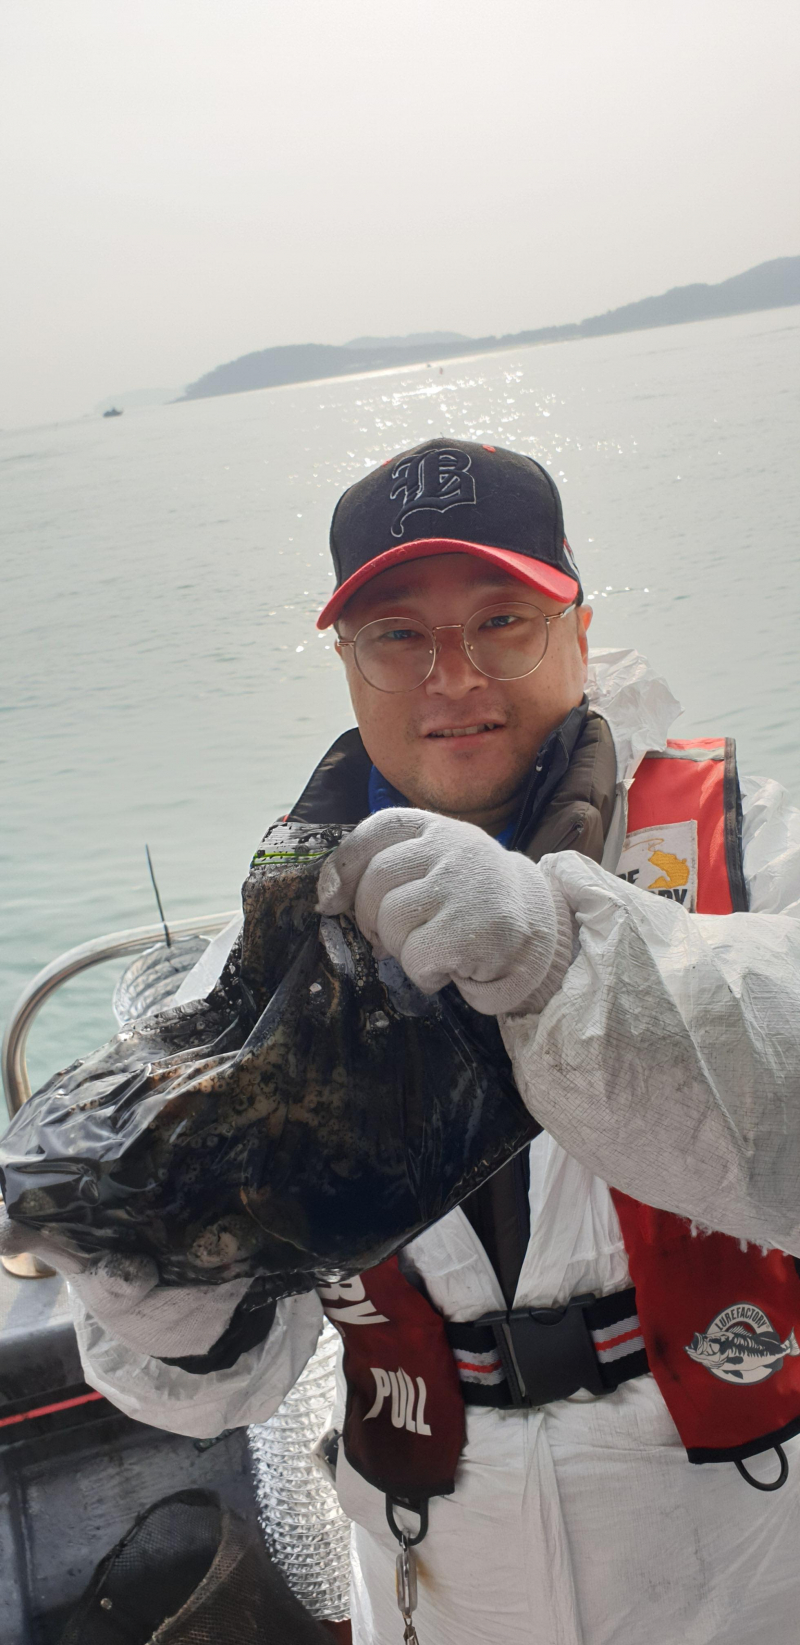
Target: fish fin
column 790, row 1345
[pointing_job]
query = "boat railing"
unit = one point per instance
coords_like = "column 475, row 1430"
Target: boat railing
column 117, row 945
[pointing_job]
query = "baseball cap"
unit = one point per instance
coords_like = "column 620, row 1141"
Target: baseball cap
column 452, row 497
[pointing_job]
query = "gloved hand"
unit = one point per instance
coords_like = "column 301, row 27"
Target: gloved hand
column 124, row 1295
column 451, row 905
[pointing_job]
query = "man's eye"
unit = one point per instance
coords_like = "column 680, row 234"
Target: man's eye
column 401, row 634
column 500, row 620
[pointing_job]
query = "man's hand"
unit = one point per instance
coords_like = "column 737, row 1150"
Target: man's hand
column 451, row 905
column 123, row 1294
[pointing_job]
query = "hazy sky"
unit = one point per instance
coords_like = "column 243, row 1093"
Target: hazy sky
column 186, row 180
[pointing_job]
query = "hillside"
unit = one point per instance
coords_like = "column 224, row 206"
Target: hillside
column 771, row 285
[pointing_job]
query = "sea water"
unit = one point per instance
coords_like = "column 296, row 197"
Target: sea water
column 163, row 681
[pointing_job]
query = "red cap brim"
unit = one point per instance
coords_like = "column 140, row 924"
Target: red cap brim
column 547, row 579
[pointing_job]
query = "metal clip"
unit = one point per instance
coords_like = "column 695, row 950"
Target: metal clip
column 406, row 1585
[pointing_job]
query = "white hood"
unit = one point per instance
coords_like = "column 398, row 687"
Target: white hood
column 637, row 704
column 639, row 709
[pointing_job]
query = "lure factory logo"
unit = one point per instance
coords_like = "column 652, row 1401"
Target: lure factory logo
column 741, row 1345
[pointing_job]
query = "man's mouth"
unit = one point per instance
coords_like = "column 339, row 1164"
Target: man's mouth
column 466, row 730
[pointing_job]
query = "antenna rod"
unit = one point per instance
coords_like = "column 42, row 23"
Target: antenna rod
column 158, row 897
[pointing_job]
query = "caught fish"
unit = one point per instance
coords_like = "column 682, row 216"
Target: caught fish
column 312, row 1115
column 740, row 1355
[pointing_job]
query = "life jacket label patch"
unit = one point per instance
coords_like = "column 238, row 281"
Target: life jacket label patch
column 407, row 1397
column 664, row 860
column 741, row 1346
column 355, row 1307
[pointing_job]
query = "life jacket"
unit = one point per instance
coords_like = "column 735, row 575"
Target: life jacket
column 716, row 1320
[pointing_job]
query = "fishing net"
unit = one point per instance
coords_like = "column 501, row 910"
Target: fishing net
column 151, row 981
column 309, row 1117
column 189, row 1572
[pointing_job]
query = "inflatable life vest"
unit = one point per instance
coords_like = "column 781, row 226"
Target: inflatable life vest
column 717, row 1321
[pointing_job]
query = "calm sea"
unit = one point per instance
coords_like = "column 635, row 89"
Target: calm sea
column 162, row 678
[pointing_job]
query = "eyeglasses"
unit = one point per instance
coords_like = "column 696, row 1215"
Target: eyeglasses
column 503, row 642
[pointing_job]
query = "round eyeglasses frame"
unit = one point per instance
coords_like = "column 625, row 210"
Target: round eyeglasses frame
column 441, row 628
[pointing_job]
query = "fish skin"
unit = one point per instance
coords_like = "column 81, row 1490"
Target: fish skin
column 311, row 1116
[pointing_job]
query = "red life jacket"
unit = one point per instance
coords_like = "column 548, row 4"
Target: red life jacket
column 718, row 1321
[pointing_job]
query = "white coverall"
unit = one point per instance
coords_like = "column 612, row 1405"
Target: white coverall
column 583, row 1523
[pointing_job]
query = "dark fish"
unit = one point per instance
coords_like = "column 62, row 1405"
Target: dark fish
column 307, row 1119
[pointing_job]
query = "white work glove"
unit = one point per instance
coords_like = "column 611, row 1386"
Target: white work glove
column 123, row 1294
column 451, row 905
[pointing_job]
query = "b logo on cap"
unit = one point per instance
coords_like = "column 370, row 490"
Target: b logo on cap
column 437, row 479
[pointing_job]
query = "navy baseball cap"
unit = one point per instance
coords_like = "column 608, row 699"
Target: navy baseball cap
column 452, row 497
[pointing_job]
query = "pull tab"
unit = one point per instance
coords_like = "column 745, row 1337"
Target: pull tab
column 406, row 1585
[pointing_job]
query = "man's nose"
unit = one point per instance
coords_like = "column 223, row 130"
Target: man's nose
column 453, row 674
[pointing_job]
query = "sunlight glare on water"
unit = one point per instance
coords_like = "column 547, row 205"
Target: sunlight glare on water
column 164, row 681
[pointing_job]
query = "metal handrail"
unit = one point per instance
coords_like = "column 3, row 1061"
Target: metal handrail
column 117, row 943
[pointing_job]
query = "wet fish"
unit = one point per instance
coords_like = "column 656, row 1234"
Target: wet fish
column 308, row 1118
column 737, row 1352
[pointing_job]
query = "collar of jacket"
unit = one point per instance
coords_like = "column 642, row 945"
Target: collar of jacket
column 567, row 804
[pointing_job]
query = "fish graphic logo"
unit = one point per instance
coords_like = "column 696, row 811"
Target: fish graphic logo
column 664, row 861
column 674, row 871
column 742, row 1346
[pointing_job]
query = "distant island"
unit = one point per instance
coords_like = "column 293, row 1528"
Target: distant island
column 771, row 285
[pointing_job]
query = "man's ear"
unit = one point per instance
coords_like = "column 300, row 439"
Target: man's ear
column 585, row 615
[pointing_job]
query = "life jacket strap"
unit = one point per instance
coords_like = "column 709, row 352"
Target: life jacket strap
column 528, row 1357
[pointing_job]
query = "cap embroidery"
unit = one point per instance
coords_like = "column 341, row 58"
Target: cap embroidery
column 437, row 479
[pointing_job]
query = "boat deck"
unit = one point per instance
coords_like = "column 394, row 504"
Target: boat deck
column 73, row 1478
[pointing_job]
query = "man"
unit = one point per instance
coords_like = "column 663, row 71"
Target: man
column 647, row 1037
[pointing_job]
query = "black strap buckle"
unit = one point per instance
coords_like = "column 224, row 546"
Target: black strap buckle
column 547, row 1353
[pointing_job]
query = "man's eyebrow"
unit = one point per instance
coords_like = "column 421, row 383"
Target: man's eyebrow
column 403, row 591
column 411, row 590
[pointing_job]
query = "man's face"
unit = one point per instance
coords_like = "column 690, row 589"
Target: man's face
column 479, row 775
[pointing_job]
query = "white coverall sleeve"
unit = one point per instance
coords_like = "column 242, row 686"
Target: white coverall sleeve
column 202, row 1406
column 669, row 1060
